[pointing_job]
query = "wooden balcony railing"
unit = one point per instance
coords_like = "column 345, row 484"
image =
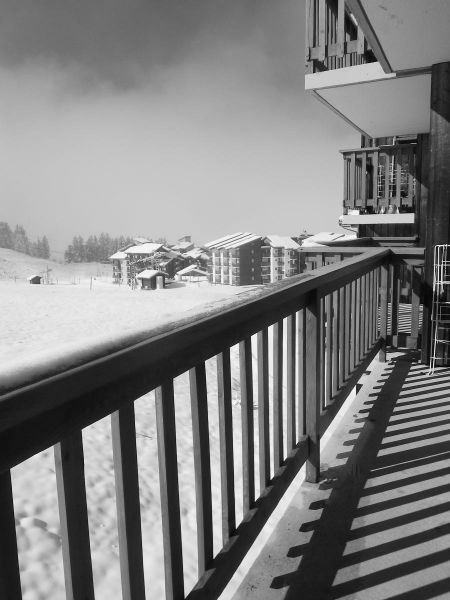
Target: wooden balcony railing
column 333, row 38
column 379, row 177
column 331, row 322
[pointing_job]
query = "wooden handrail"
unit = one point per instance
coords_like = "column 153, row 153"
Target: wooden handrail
column 331, row 320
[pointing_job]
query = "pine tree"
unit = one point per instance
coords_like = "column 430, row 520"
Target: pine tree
column 45, row 248
column 6, row 235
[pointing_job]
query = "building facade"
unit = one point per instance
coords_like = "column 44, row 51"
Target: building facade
column 279, row 258
column 235, row 259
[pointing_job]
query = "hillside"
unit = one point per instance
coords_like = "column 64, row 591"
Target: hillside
column 15, row 265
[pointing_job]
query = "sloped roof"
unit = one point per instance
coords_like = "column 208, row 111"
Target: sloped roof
column 33, row 276
column 195, row 253
column 324, row 238
column 235, row 240
column 147, row 248
column 118, row 256
column 141, row 240
column 149, row 274
column 192, row 269
column 183, row 246
column 282, row 241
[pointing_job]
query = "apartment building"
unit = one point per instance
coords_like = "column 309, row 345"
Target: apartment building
column 235, row 259
column 279, row 258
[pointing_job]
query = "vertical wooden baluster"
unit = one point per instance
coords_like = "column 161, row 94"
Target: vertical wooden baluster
column 263, row 408
column 309, row 27
column 226, row 445
column 202, row 466
column 375, row 178
column 9, row 563
column 387, row 177
column 329, row 309
column 73, row 516
column 301, row 358
column 395, row 303
column 290, row 367
column 322, row 31
column 340, row 29
column 313, row 388
column 376, row 292
column 248, row 459
column 364, row 309
column 383, row 310
column 398, row 176
column 123, row 432
column 364, row 180
column 352, row 326
column 342, row 338
column 372, row 291
column 170, row 500
column 357, row 318
column 336, row 342
column 322, row 378
column 347, row 321
column 277, row 395
column 352, row 179
column 415, row 305
column 367, row 312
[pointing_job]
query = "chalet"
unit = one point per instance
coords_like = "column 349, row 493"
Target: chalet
column 133, row 259
column 151, row 279
column 192, row 273
column 235, row 259
column 198, row 256
column 279, row 258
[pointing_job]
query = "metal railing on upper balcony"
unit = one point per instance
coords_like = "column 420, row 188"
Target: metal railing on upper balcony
column 323, row 327
column 333, row 38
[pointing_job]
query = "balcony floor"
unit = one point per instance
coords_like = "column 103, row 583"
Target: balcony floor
column 377, row 525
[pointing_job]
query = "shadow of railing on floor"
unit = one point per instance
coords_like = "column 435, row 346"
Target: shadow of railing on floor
column 369, row 497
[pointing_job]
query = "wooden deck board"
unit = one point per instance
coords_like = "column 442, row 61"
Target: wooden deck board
column 376, row 525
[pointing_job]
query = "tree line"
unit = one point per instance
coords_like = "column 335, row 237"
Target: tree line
column 17, row 239
column 95, row 248
column 99, row 248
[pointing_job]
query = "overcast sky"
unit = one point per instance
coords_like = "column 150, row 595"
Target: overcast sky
column 163, row 118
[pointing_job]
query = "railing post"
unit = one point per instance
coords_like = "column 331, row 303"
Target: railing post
column 313, row 388
column 73, row 516
column 384, row 283
column 9, row 563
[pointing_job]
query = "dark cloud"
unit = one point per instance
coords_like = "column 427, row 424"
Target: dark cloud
column 123, row 41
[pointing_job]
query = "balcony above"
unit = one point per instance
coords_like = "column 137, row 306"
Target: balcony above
column 379, row 181
column 400, row 77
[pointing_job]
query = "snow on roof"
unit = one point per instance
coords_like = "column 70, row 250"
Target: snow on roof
column 191, row 269
column 325, row 238
column 195, row 253
column 148, row 274
column 235, row 240
column 33, row 276
column 140, row 240
column 282, row 241
column 118, row 256
column 183, row 246
column 147, row 248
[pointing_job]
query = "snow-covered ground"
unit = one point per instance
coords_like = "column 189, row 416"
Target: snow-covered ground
column 34, row 318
